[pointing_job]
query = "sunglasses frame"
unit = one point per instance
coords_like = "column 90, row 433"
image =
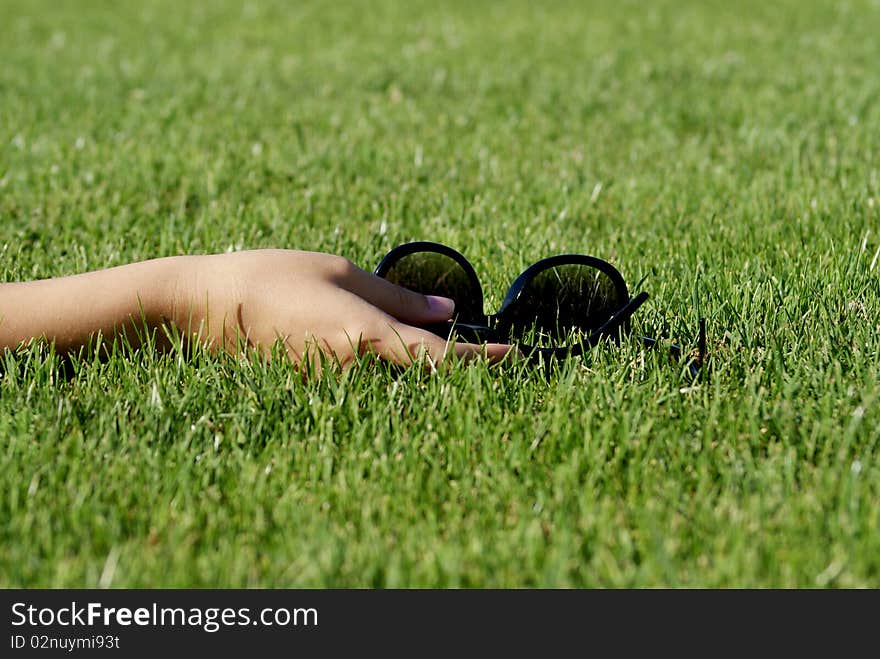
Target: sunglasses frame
column 495, row 327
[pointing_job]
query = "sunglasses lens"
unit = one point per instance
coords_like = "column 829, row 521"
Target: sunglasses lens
column 563, row 305
column 431, row 273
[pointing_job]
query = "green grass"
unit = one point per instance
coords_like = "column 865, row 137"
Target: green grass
column 727, row 150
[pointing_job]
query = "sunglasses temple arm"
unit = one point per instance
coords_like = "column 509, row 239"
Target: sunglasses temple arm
column 701, row 342
column 608, row 328
column 618, row 319
column 611, row 325
column 695, row 366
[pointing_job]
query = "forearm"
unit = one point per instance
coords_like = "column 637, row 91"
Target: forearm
column 69, row 310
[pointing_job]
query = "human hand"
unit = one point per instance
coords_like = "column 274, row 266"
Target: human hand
column 311, row 302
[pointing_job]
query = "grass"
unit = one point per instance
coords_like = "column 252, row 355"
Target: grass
column 727, row 151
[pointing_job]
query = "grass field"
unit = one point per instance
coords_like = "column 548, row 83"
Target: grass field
column 729, row 151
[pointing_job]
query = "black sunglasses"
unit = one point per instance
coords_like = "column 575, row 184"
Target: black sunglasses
column 560, row 306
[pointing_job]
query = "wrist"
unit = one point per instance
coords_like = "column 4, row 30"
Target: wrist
column 198, row 295
column 171, row 284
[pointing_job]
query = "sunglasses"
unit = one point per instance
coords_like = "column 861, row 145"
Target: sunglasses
column 560, row 306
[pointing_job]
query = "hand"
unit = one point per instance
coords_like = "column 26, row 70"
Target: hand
column 311, row 302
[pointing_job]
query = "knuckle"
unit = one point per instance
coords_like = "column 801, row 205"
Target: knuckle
column 360, row 337
column 340, row 267
column 402, row 297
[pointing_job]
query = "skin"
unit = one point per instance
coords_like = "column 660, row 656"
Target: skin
column 310, row 302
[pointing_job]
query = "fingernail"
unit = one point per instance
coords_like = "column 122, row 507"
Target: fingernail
column 441, row 305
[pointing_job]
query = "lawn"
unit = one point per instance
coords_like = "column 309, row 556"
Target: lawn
column 727, row 151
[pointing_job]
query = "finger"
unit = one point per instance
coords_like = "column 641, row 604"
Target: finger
column 403, row 304
column 494, row 352
column 404, row 344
